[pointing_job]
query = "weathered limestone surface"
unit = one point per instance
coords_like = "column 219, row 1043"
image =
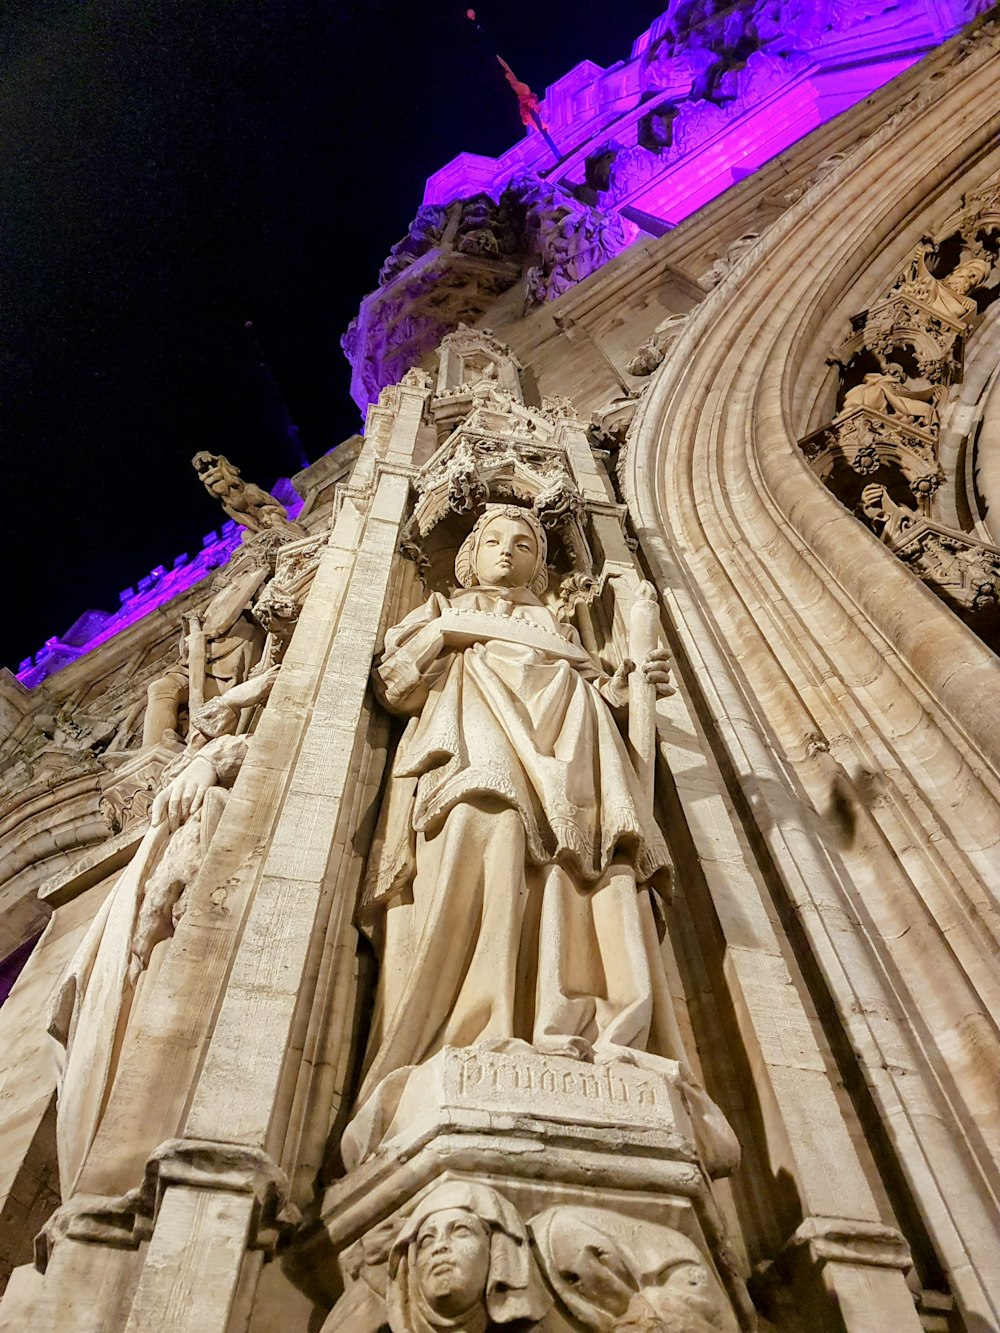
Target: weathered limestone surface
column 871, row 687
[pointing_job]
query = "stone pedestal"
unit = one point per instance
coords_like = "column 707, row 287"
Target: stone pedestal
column 606, row 1145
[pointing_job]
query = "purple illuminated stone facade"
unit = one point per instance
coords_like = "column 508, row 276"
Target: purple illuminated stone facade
column 708, row 94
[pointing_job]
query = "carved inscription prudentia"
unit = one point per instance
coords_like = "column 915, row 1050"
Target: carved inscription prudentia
column 518, row 1081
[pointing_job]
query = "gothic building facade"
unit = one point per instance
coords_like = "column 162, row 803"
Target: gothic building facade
column 555, row 881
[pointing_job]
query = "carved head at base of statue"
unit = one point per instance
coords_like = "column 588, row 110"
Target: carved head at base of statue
column 462, row 1260
column 452, row 1262
column 507, row 548
column 618, row 1274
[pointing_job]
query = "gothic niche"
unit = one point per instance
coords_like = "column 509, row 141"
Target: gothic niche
column 514, row 900
column 899, row 373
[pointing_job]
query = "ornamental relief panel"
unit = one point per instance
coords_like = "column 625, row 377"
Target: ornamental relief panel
column 900, row 374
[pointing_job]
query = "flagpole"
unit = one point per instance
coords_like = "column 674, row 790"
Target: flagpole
column 526, row 100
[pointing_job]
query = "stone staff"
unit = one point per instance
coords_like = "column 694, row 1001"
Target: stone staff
column 196, row 662
column 643, row 636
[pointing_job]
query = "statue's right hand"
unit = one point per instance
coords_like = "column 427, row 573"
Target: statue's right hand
column 179, row 800
column 616, row 690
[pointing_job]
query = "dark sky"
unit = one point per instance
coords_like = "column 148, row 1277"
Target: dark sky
column 170, row 170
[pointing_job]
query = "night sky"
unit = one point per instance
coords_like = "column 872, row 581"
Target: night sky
column 171, row 170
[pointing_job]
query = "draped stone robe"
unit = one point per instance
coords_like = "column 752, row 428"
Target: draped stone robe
column 98, row 993
column 502, row 885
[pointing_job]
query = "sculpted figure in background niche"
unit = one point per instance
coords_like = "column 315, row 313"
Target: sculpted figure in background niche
column 504, row 889
column 249, row 505
column 106, row 978
column 218, row 650
column 885, row 391
column 948, row 296
column 617, row 1274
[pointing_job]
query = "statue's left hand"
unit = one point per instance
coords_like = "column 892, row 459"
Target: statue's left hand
column 179, row 800
column 656, row 669
column 616, row 690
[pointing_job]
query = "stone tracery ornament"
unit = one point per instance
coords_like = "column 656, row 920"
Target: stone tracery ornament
column 866, row 460
column 963, row 571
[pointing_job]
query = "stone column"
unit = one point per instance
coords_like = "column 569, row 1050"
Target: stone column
column 207, row 1060
column 211, row 1224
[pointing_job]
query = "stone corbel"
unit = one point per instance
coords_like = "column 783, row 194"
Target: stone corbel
column 868, row 441
column 904, row 321
column 233, row 1168
column 125, row 1221
column 823, row 1240
column 815, row 1243
column 122, row 1222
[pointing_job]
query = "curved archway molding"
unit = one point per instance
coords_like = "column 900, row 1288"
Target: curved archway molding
column 858, row 717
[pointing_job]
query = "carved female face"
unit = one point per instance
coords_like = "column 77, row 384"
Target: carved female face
column 506, row 553
column 452, row 1261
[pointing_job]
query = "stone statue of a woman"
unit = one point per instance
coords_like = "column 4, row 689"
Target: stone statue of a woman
column 505, row 888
